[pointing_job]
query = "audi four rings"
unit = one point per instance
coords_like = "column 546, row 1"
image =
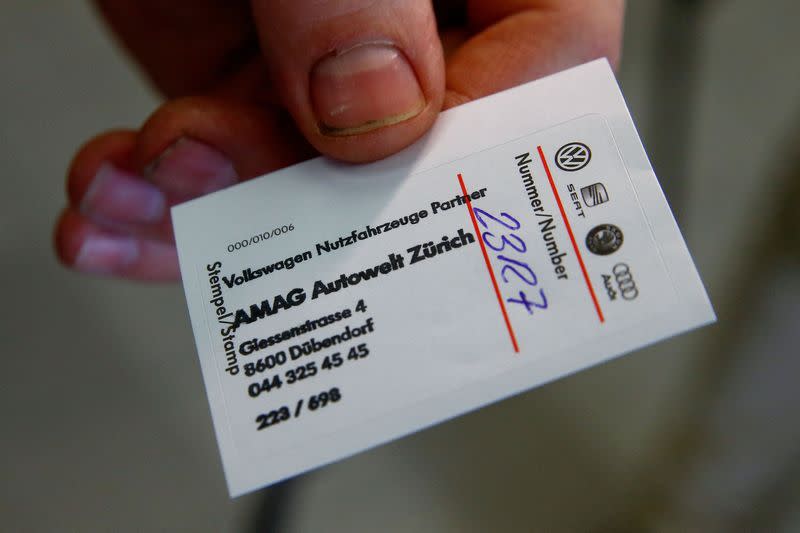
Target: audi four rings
column 625, row 281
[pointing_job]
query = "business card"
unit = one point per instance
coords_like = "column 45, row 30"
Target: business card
column 337, row 307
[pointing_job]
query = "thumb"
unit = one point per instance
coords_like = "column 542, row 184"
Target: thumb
column 362, row 79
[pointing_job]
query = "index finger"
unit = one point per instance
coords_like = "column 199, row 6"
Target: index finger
column 522, row 40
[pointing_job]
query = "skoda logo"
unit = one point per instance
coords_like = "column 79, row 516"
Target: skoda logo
column 604, row 239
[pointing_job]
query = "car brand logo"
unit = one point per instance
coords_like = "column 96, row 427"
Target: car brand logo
column 595, row 194
column 573, row 157
column 604, row 239
column 625, row 282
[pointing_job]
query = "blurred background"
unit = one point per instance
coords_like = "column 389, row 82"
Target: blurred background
column 105, row 423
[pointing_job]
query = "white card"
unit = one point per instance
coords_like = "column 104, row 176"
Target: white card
column 337, row 307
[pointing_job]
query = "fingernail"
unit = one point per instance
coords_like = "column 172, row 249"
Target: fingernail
column 102, row 254
column 364, row 88
column 189, row 169
column 124, row 197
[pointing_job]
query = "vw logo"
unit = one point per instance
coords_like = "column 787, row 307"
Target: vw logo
column 573, row 156
column 625, row 281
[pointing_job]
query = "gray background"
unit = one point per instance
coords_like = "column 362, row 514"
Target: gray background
column 105, row 423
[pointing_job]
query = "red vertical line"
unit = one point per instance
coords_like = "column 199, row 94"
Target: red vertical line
column 571, row 236
column 489, row 266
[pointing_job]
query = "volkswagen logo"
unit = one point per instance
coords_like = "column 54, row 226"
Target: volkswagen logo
column 573, row 157
column 625, row 281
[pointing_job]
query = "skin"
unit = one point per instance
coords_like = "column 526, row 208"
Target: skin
column 239, row 78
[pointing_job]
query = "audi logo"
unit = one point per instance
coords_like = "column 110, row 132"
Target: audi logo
column 625, row 281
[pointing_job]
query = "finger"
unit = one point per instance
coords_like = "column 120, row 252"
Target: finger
column 189, row 148
column 87, row 247
column 118, row 224
column 100, row 186
column 519, row 41
column 102, row 189
column 120, row 183
column 362, row 79
column 192, row 146
column 185, row 46
column 111, row 148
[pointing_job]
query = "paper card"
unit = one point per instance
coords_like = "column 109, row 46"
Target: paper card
column 337, row 307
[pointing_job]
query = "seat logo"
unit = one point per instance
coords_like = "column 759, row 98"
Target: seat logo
column 595, row 194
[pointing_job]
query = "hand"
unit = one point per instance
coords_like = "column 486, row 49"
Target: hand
column 254, row 86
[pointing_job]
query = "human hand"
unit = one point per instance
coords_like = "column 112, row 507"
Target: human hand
column 255, row 85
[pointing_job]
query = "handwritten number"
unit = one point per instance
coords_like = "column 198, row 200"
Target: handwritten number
column 514, row 267
column 528, row 304
column 533, row 281
column 521, row 248
column 480, row 214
